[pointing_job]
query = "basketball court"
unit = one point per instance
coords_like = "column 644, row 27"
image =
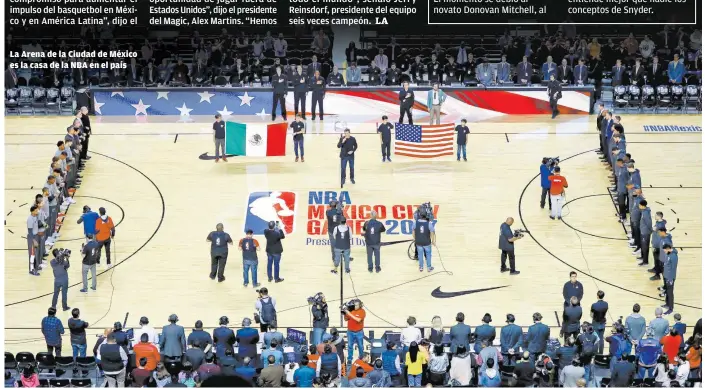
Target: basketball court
column 153, row 176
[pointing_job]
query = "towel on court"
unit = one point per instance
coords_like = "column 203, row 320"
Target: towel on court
column 256, row 140
column 423, row 141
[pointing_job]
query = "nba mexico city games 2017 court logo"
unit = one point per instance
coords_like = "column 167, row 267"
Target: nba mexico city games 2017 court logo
column 397, row 218
column 266, row 206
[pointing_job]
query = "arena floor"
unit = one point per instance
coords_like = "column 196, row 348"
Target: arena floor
column 148, row 174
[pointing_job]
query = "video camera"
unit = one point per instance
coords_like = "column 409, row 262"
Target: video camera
column 316, row 299
column 426, row 209
column 520, row 232
column 350, row 305
column 551, row 161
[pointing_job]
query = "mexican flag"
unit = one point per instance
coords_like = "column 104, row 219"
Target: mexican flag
column 256, row 140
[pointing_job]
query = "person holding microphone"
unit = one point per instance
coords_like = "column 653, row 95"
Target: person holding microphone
column 557, row 193
column 347, row 145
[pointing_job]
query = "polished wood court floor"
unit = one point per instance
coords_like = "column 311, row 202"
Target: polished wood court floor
column 149, row 177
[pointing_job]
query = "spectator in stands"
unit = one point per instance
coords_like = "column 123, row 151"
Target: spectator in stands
column 141, row 373
column 274, row 350
column 646, row 47
column 524, row 371
column 335, row 78
column 304, row 375
column 228, row 362
column 378, row 376
column 187, row 376
column 273, row 335
column 381, row 61
column 485, row 353
column 676, row 70
column 661, row 371
column 164, row 70
column 438, row 366
column 360, row 364
column 672, row 379
column 52, row 329
column 635, row 325
column 566, row 354
column 391, row 362
column 320, row 43
column 694, row 355
column 279, row 45
column 146, row 329
column 631, row 44
column 195, row 355
column 352, row 74
column 618, row 73
column 659, row 325
column 460, row 366
column 209, row 368
column 548, row 68
column 484, row 73
column 417, row 70
column 411, row 333
column 594, row 48
column 460, row 334
column 113, row 359
column 162, row 376
column 173, row 341
column 647, row 352
column 414, row 364
column 148, row 351
column 671, row 345
column 29, row 377
column 565, row 74
column 224, row 337
column 504, row 71
column 351, row 53
column 683, row 371
column 571, row 373
column 329, row 363
column 524, row 71
column 434, row 69
column 622, row 373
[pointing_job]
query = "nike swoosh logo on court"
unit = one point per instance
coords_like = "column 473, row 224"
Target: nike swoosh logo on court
column 437, row 293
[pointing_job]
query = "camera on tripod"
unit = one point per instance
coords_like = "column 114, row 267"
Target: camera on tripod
column 520, row 233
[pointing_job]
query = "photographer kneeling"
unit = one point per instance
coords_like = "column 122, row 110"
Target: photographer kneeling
column 319, row 311
column 506, row 245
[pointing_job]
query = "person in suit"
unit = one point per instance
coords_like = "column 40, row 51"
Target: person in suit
column 510, row 338
column 571, row 319
column 434, row 70
column 313, row 66
column 654, row 72
column 548, row 68
column 335, row 78
column 618, row 74
column 504, row 71
column 172, row 343
column 537, row 337
column 460, row 334
column 564, row 73
column 484, row 73
column 637, row 75
column 150, row 76
column 406, row 102
column 676, row 70
column 223, row 337
column 554, row 91
column 353, row 74
column 417, row 70
column 524, row 71
column 393, row 75
column 434, row 102
column 484, row 333
column 580, row 73
column 318, row 93
column 279, row 86
column 298, row 79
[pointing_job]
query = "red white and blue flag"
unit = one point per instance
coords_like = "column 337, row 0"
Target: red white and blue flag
column 423, row 141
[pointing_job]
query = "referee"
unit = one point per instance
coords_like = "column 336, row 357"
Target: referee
column 219, row 251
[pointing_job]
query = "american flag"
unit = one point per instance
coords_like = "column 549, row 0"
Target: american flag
column 424, row 141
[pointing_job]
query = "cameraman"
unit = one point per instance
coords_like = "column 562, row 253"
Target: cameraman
column 59, row 264
column 424, row 235
column 546, row 169
column 333, row 216
column 356, row 324
column 91, row 255
column 274, row 236
column 372, row 231
column 506, row 245
column 319, row 310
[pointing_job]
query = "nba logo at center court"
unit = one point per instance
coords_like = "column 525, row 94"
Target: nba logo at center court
column 266, row 206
